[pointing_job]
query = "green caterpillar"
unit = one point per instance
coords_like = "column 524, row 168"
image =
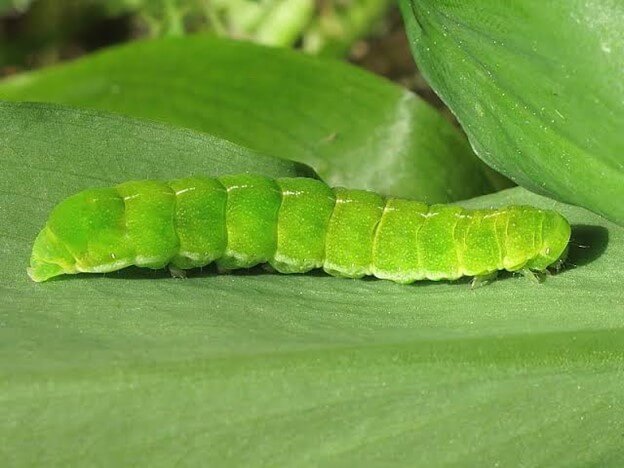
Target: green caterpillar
column 293, row 224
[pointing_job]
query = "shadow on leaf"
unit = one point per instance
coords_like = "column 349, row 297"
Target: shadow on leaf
column 587, row 243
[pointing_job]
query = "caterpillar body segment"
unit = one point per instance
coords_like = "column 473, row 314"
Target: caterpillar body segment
column 293, row 224
column 303, row 219
column 199, row 221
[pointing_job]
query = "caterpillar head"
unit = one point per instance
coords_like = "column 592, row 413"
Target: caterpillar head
column 51, row 254
column 49, row 257
column 555, row 240
column 74, row 234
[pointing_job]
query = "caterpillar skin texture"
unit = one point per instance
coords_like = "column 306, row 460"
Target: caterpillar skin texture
column 295, row 225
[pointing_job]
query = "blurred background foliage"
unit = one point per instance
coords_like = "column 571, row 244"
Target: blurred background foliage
column 369, row 33
column 327, row 27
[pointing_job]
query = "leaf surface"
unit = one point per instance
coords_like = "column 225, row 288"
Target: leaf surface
column 537, row 86
column 353, row 128
column 256, row 369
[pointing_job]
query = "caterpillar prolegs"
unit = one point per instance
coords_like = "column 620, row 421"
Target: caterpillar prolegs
column 293, row 224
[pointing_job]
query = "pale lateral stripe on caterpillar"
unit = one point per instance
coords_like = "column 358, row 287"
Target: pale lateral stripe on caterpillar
column 295, row 225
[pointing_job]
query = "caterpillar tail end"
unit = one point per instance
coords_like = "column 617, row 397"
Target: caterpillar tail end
column 49, row 258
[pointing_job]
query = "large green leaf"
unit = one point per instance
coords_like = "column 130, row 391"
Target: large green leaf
column 137, row 368
column 538, row 87
column 353, row 128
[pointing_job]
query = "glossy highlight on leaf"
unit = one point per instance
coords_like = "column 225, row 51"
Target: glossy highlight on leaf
column 537, row 86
